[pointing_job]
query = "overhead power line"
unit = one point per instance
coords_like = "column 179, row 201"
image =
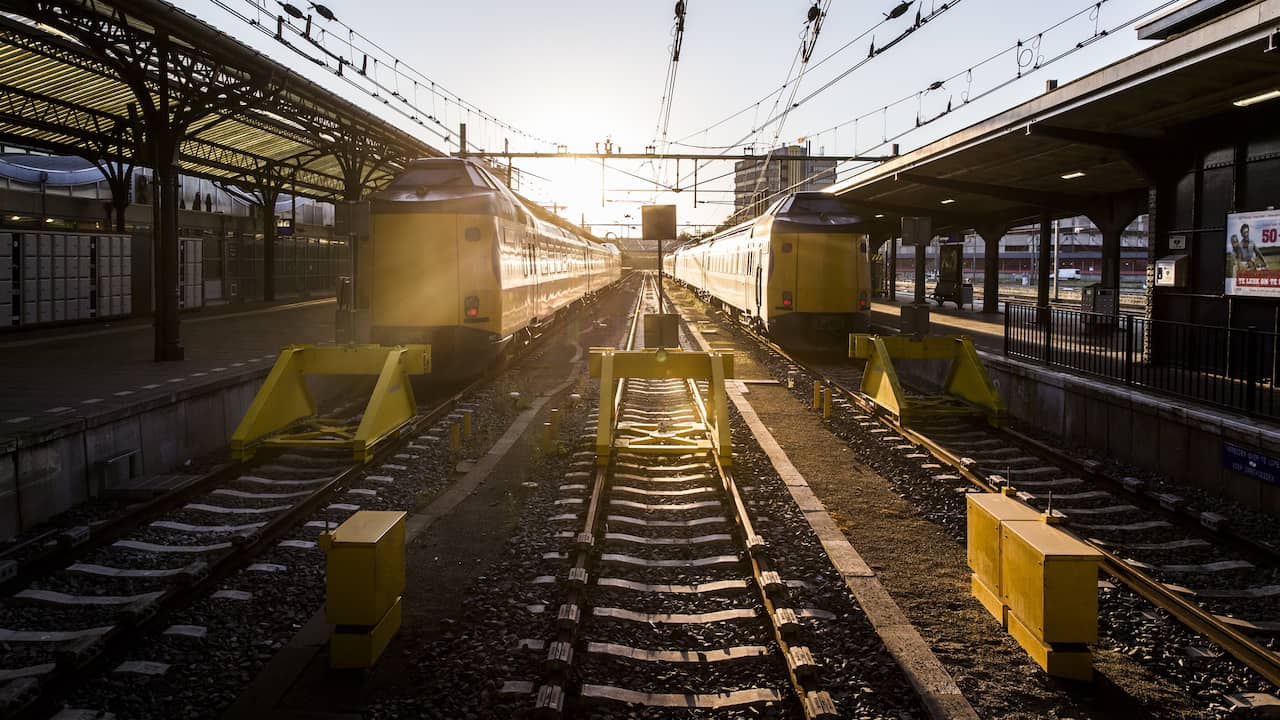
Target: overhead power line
column 1029, row 58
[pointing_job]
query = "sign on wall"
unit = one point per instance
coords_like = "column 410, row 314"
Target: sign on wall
column 1248, row 462
column 1253, row 254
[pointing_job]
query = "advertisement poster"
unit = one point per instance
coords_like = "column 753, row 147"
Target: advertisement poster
column 1253, row 254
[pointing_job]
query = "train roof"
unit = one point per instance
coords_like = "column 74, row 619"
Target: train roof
column 466, row 177
column 808, row 208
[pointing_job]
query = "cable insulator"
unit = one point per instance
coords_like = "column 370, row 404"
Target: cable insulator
column 899, row 10
column 292, row 10
column 323, row 12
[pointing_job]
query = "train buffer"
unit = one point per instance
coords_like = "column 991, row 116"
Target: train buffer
column 663, row 437
column 966, row 387
column 285, row 413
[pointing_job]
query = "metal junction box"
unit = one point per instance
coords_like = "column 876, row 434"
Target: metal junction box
column 1172, row 271
column 1049, row 580
column 364, row 573
column 986, row 513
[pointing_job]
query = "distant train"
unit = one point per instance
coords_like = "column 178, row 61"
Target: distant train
column 800, row 271
column 457, row 260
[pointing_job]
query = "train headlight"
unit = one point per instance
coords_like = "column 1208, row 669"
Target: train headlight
column 786, row 299
column 863, row 302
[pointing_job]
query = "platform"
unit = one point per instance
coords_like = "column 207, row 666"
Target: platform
column 75, row 397
column 1183, row 439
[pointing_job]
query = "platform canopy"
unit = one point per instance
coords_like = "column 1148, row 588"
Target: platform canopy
column 72, row 73
column 1121, row 126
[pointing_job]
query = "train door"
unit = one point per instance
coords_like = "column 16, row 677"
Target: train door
column 759, row 281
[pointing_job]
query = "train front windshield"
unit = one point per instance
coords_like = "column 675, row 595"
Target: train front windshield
column 819, row 209
column 439, row 175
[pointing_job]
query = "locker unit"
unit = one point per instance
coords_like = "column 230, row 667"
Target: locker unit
column 8, row 288
column 191, row 272
column 48, row 277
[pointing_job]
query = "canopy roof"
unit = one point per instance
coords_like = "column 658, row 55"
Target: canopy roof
column 1115, row 126
column 82, row 77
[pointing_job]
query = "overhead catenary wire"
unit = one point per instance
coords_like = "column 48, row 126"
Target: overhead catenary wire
column 669, row 86
column 1028, row 59
column 921, row 20
column 362, row 62
column 1023, row 69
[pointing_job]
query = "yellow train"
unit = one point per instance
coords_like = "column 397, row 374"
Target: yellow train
column 457, row 260
column 800, row 271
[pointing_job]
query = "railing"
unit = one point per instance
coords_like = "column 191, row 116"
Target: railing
column 1233, row 368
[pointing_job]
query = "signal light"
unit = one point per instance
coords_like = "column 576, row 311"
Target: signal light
column 786, row 299
column 471, row 307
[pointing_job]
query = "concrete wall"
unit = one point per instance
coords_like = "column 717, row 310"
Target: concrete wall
column 46, row 472
column 1162, row 434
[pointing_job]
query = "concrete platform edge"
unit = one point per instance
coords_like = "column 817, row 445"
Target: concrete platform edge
column 938, row 690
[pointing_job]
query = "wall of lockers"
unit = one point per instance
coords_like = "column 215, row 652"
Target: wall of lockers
column 57, row 277
column 61, row 277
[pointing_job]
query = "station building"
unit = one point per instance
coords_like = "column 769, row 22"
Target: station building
column 754, row 189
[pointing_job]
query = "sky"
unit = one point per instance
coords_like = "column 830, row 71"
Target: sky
column 575, row 73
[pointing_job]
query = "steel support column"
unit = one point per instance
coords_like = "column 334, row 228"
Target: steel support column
column 269, row 194
column 165, row 137
column 1045, row 258
column 1111, row 218
column 991, row 236
column 893, row 270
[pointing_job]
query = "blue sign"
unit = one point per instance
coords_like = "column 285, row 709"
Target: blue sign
column 1253, row 464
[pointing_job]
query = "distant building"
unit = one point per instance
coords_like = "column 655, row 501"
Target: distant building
column 754, row 191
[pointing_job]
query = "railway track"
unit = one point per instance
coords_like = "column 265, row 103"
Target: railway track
column 76, row 600
column 84, row 605
column 666, row 556
column 1217, row 583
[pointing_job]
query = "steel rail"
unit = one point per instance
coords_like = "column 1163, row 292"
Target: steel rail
column 1254, row 655
column 90, row 655
column 815, row 704
column 551, row 696
column 1257, row 551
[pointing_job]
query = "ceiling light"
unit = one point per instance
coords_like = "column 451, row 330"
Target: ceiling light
column 948, row 201
column 48, row 220
column 1254, row 100
column 880, row 215
column 1073, row 175
column 15, row 217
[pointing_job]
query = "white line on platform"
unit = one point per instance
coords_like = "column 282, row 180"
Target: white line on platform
column 123, row 393
column 91, row 401
column 15, row 421
column 152, row 386
column 55, row 411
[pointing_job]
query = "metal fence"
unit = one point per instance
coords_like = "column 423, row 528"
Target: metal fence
column 1233, row 368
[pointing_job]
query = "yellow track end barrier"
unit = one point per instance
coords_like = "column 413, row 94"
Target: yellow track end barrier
column 364, row 580
column 714, row 367
column 966, row 377
column 1039, row 582
column 284, row 413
